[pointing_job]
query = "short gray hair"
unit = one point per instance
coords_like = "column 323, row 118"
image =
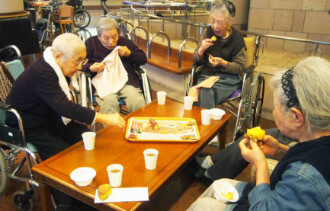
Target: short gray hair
column 106, row 24
column 311, row 79
column 220, row 6
column 68, row 44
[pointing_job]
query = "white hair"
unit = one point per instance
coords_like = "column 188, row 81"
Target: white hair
column 68, row 44
column 311, row 79
column 220, row 7
column 106, row 24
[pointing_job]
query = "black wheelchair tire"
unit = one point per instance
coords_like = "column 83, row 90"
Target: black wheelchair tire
column 81, row 18
column 258, row 101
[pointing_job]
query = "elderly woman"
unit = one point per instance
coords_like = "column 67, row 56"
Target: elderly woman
column 41, row 95
column 301, row 180
column 221, row 52
column 99, row 47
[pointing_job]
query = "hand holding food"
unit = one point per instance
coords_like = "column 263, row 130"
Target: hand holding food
column 255, row 134
column 104, row 191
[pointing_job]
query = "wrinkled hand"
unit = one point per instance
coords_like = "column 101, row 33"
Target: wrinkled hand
column 206, row 43
column 269, row 145
column 115, row 119
column 215, row 61
column 97, row 67
column 251, row 152
column 124, row 51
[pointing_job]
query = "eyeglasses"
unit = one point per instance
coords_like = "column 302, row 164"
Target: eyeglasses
column 82, row 62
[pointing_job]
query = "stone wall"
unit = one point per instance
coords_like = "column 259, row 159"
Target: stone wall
column 308, row 19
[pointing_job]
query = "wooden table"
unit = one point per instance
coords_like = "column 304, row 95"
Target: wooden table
column 112, row 147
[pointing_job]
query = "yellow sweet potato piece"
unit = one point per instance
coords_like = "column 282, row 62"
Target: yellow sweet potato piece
column 214, row 38
column 104, row 191
column 256, row 133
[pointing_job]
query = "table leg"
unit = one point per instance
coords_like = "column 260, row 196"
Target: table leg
column 222, row 136
column 45, row 197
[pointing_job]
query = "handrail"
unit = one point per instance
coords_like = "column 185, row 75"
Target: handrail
column 124, row 23
column 181, row 47
column 203, row 25
column 143, row 29
column 168, row 43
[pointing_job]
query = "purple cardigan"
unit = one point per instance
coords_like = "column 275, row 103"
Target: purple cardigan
column 37, row 91
column 96, row 52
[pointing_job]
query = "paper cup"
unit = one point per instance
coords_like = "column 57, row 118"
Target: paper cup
column 89, row 140
column 188, row 102
column 150, row 158
column 206, row 117
column 115, row 174
column 161, row 97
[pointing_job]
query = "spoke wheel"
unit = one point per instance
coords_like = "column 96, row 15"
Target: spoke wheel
column 258, row 101
column 81, row 18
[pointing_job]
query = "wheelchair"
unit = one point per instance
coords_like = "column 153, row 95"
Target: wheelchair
column 81, row 17
column 249, row 97
column 44, row 29
column 146, row 89
column 12, row 139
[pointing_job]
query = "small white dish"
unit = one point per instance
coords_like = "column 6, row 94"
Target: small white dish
column 83, row 176
column 217, row 113
column 221, row 188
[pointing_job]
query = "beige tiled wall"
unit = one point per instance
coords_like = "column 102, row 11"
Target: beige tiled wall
column 308, row 19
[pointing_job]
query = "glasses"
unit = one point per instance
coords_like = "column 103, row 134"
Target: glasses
column 82, row 62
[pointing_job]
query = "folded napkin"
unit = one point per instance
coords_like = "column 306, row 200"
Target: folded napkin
column 113, row 77
column 207, row 83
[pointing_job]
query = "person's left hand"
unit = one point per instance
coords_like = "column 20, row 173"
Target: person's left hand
column 124, row 51
column 251, row 152
column 215, row 61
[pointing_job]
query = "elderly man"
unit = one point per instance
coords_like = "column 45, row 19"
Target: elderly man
column 220, row 52
column 99, row 47
column 42, row 98
column 301, row 180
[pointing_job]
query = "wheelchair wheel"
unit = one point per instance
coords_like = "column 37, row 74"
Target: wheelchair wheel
column 81, row 18
column 258, row 101
column 83, row 34
column 22, row 201
column 3, row 172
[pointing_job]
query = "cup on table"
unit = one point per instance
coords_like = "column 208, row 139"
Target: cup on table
column 115, row 174
column 150, row 158
column 188, row 102
column 206, row 117
column 89, row 140
column 161, row 97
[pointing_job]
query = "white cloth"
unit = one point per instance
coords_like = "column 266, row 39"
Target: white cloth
column 113, row 77
column 49, row 58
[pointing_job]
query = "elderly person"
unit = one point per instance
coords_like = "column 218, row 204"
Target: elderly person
column 221, row 52
column 301, row 180
column 99, row 47
column 41, row 96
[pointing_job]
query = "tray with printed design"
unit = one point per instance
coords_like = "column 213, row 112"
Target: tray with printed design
column 162, row 129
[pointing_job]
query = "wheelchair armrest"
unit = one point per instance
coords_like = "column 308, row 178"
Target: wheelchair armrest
column 249, row 70
column 138, row 69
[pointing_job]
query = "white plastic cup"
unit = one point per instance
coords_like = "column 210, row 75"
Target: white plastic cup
column 115, row 174
column 161, row 97
column 206, row 117
column 188, row 102
column 150, row 158
column 89, row 140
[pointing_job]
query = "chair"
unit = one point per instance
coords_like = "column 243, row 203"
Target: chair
column 249, row 97
column 12, row 139
column 65, row 14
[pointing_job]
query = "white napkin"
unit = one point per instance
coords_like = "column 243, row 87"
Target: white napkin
column 125, row 194
column 49, row 58
column 113, row 77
